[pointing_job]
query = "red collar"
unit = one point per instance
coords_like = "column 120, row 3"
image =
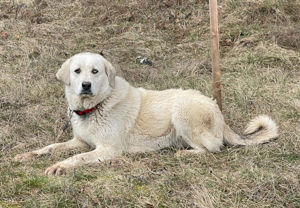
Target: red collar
column 87, row 111
column 82, row 113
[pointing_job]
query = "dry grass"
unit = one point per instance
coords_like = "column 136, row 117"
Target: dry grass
column 260, row 52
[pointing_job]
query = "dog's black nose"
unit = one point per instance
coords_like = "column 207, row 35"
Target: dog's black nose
column 86, row 85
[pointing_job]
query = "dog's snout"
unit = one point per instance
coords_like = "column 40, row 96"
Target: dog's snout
column 86, row 85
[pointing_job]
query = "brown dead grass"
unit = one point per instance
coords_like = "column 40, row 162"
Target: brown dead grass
column 260, row 74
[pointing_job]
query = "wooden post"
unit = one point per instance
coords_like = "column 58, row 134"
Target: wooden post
column 215, row 55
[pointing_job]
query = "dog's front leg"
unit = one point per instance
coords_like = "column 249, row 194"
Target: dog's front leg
column 57, row 147
column 93, row 157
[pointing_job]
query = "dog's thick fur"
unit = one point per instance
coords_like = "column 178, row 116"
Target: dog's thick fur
column 129, row 119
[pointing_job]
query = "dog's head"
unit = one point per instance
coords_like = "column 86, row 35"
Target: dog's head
column 87, row 75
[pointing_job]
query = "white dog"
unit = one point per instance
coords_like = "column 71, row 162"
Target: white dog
column 113, row 117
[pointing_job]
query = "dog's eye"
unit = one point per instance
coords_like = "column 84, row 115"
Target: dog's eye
column 77, row 71
column 94, row 71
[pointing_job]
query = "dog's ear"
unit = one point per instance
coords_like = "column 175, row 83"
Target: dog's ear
column 110, row 72
column 63, row 73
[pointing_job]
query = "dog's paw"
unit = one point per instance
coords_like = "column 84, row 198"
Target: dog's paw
column 25, row 157
column 56, row 170
column 184, row 153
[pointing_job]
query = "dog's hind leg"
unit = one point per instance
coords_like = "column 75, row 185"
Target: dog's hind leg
column 200, row 126
column 201, row 142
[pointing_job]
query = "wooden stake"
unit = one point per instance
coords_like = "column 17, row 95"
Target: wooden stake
column 215, row 55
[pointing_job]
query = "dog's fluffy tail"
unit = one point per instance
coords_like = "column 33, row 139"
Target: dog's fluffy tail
column 259, row 130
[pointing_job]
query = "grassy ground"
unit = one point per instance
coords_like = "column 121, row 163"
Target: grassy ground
column 260, row 59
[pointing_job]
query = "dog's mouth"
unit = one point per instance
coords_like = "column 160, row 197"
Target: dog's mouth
column 86, row 93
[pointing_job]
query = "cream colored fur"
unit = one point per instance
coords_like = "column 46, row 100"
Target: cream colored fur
column 137, row 120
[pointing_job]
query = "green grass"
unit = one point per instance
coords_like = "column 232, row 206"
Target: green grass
column 260, row 50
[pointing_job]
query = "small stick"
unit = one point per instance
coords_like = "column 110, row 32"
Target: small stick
column 215, row 55
column 61, row 131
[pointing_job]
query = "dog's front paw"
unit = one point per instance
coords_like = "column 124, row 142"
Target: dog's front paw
column 25, row 157
column 56, row 170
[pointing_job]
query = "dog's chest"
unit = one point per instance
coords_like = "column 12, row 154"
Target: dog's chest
column 91, row 129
